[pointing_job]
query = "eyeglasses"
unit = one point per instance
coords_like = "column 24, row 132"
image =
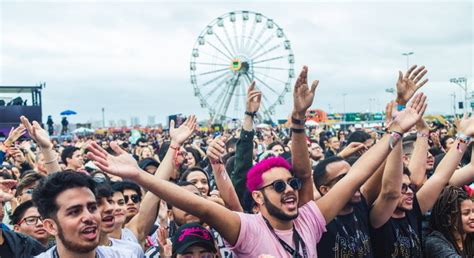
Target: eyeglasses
column 280, row 185
column 405, row 188
column 32, row 220
column 335, row 180
column 134, row 197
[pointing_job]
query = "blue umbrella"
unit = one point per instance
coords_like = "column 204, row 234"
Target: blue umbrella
column 68, row 113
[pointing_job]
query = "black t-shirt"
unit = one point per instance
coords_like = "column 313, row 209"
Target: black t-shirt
column 5, row 250
column 399, row 237
column 348, row 235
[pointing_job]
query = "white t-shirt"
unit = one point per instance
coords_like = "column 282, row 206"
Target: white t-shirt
column 128, row 235
column 129, row 246
column 102, row 252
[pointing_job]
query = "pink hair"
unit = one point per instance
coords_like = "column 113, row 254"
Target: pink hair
column 255, row 174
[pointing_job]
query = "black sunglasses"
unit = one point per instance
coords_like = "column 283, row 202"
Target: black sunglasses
column 405, row 188
column 134, row 197
column 280, row 185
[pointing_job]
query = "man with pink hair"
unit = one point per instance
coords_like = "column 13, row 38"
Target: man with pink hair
column 290, row 222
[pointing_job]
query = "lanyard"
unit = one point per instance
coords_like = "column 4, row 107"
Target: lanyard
column 56, row 255
column 296, row 238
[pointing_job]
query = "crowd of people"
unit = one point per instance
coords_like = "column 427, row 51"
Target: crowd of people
column 398, row 191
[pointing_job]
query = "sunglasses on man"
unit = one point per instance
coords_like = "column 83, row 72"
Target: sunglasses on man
column 405, row 188
column 135, row 198
column 280, row 185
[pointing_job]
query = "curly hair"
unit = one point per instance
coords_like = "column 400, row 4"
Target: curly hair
column 446, row 218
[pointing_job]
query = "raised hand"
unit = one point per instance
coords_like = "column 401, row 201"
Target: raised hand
column 254, row 98
column 181, row 134
column 407, row 118
column 216, row 150
column 352, row 148
column 15, row 134
column 38, row 134
column 122, row 165
column 17, row 155
column 303, row 96
column 466, row 125
column 409, row 83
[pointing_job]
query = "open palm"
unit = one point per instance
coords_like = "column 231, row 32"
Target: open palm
column 303, row 96
column 409, row 83
column 37, row 133
column 466, row 125
column 122, row 165
column 407, row 118
column 181, row 134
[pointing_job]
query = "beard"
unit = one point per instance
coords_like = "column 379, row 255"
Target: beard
column 276, row 212
column 400, row 208
column 74, row 246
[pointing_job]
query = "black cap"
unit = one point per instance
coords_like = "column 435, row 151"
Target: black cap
column 148, row 162
column 192, row 234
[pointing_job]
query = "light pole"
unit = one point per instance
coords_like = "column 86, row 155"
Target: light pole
column 344, row 107
column 408, row 54
column 462, row 82
column 103, row 117
column 370, row 104
column 454, row 103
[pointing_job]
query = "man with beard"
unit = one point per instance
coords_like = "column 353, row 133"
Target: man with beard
column 290, row 221
column 68, row 205
column 396, row 232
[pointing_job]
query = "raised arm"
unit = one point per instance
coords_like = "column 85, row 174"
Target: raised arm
column 387, row 200
column 41, row 137
column 407, row 85
column 430, row 191
column 302, row 99
column 141, row 223
column 226, row 222
column 464, row 175
column 244, row 147
column 215, row 152
column 332, row 202
column 417, row 164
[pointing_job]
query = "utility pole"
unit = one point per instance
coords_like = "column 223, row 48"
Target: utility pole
column 103, row 117
column 408, row 54
column 462, row 82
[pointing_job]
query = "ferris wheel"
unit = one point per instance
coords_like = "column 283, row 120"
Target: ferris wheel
column 234, row 50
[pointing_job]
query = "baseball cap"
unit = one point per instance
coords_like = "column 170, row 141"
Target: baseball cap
column 148, row 162
column 192, row 234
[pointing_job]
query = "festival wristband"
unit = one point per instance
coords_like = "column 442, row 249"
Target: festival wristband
column 251, row 114
column 297, row 121
column 297, row 130
column 394, row 138
column 400, row 107
column 420, row 134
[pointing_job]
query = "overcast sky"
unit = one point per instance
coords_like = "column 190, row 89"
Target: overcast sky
column 132, row 57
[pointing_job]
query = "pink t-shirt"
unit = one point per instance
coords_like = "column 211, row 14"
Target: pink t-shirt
column 255, row 237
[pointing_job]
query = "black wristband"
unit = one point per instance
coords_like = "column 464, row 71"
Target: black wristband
column 297, row 121
column 251, row 114
column 297, row 130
